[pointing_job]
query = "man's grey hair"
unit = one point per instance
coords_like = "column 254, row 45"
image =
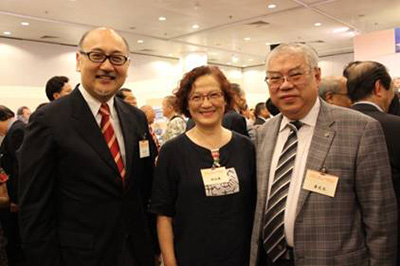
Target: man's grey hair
column 329, row 84
column 309, row 53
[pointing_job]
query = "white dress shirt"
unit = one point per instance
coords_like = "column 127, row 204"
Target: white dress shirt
column 94, row 106
column 304, row 137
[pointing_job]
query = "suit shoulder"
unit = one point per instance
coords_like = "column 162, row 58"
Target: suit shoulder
column 341, row 114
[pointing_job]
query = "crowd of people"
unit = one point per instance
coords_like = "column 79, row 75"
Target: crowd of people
column 309, row 177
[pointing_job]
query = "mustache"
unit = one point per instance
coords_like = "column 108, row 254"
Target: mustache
column 105, row 75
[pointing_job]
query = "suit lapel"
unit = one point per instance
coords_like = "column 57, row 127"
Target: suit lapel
column 319, row 149
column 265, row 149
column 86, row 125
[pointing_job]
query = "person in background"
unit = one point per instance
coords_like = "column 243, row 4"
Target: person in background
column 14, row 132
column 204, row 190
column 261, row 113
column 325, row 194
column 370, row 88
column 176, row 124
column 87, row 167
column 23, row 114
column 333, row 90
column 151, row 115
column 271, row 107
column 233, row 120
column 57, row 87
column 127, row 95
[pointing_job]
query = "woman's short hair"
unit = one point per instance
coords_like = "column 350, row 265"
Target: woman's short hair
column 186, row 85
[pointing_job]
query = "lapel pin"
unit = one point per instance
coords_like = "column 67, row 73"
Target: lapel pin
column 327, row 134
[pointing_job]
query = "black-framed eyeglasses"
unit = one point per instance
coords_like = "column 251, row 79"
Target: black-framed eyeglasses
column 276, row 80
column 97, row 57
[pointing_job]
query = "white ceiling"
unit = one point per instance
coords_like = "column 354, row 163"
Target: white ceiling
column 223, row 24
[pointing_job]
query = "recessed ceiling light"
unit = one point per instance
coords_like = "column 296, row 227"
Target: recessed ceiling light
column 251, row 60
column 195, row 26
column 247, row 39
column 140, row 41
column 318, row 24
column 235, row 59
column 7, row 33
column 170, row 55
column 342, row 29
column 244, row 65
column 268, row 43
column 162, row 18
column 229, row 63
column 25, row 23
column 271, row 6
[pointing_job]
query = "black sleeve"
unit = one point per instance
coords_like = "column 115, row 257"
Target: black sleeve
column 165, row 183
column 36, row 194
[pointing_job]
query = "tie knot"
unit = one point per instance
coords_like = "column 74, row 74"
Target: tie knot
column 296, row 124
column 104, row 109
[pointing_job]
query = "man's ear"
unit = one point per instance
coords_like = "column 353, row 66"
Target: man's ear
column 378, row 87
column 78, row 62
column 56, row 95
column 329, row 97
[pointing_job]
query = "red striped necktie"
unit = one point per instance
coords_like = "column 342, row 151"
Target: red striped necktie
column 111, row 139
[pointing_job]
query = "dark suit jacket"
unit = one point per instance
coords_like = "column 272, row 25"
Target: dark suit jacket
column 74, row 209
column 259, row 121
column 235, row 122
column 11, row 143
column 391, row 128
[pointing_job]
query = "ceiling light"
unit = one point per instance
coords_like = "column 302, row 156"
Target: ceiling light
column 25, row 23
column 162, row 18
column 251, row 60
column 7, row 33
column 229, row 63
column 247, row 39
column 195, row 26
column 318, row 24
column 271, row 6
column 140, row 41
column 235, row 59
column 340, row 30
column 268, row 43
column 244, row 66
column 170, row 55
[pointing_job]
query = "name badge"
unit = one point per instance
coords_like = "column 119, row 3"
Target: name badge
column 144, row 149
column 214, row 176
column 320, row 183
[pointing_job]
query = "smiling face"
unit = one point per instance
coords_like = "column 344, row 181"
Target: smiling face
column 206, row 102
column 102, row 80
column 294, row 98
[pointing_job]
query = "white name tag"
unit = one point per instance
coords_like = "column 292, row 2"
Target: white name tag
column 212, row 176
column 144, row 149
column 321, row 183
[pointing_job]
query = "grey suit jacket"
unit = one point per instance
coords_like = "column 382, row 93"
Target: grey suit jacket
column 359, row 225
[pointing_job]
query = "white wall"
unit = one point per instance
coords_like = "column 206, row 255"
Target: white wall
column 26, row 66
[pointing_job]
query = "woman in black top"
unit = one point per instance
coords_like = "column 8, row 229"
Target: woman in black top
column 204, row 188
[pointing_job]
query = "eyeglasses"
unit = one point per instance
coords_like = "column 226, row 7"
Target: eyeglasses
column 97, row 57
column 276, row 80
column 213, row 97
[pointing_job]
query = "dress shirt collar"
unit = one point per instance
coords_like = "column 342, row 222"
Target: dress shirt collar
column 370, row 103
column 310, row 119
column 95, row 104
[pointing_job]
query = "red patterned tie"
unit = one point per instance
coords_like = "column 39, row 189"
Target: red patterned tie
column 154, row 138
column 111, row 139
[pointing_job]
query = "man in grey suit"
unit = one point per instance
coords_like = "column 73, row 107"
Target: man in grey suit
column 325, row 195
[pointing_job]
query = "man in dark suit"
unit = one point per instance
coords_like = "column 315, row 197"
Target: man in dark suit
column 261, row 113
column 233, row 120
column 86, row 168
column 369, row 87
column 14, row 131
column 325, row 196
